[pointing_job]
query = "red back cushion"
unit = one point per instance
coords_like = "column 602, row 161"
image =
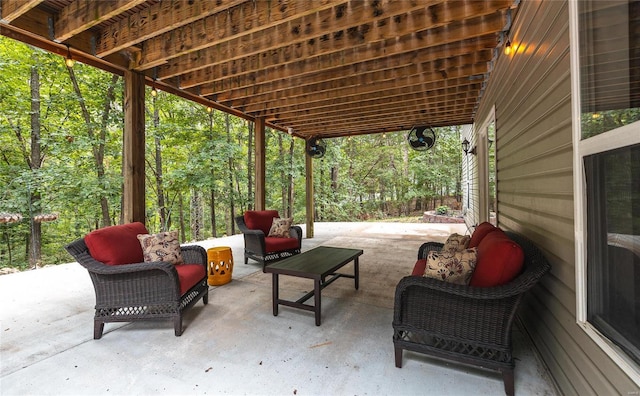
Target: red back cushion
column 419, row 267
column 260, row 219
column 499, row 260
column 117, row 245
column 479, row 233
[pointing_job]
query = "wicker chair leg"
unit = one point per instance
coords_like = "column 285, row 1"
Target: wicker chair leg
column 509, row 383
column 205, row 298
column 246, row 259
column 398, row 352
column 98, row 328
column 177, row 324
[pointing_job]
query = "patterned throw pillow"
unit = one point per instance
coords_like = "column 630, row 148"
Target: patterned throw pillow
column 456, row 242
column 163, row 246
column 280, row 227
column 451, row 266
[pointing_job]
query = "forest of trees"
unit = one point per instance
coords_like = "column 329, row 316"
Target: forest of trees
column 61, row 153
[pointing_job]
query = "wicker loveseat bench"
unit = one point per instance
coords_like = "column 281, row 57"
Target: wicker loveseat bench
column 128, row 289
column 461, row 323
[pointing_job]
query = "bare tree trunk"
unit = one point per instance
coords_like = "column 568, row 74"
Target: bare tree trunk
column 232, row 209
column 214, row 232
column 181, row 217
column 162, row 208
column 35, row 250
column 196, row 215
column 283, row 177
column 251, row 127
column 290, row 189
column 97, row 148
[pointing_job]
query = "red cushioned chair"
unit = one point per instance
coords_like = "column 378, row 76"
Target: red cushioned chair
column 469, row 324
column 129, row 289
column 255, row 226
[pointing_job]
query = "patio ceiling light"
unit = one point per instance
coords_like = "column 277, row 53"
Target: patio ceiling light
column 69, row 61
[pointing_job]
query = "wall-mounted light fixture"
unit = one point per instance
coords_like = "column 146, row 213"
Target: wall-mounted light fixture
column 507, row 48
column 465, row 147
column 69, row 61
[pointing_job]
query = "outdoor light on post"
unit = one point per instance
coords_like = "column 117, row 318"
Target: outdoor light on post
column 69, row 61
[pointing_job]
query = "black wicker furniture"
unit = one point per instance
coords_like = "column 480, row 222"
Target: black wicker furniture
column 127, row 292
column 464, row 324
column 261, row 247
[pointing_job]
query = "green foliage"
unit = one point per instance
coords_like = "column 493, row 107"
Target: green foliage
column 369, row 176
column 442, row 210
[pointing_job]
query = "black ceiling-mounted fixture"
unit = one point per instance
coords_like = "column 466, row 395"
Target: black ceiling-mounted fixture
column 421, row 138
column 316, row 147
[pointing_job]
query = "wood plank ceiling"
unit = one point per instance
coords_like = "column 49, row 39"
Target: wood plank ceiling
column 320, row 67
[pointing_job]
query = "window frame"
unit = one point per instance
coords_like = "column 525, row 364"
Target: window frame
column 621, row 137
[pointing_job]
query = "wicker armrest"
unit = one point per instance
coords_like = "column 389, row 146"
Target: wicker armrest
column 194, row 254
column 296, row 232
column 426, row 247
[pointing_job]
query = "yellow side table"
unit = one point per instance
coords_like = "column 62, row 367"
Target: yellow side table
column 220, row 261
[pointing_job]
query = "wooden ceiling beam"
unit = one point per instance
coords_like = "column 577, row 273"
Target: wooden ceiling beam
column 355, row 16
column 416, row 101
column 82, row 15
column 421, row 117
column 283, row 75
column 156, row 20
column 425, row 110
column 331, row 102
column 344, row 77
column 379, row 127
column 245, row 19
column 360, row 86
column 386, row 49
column 201, row 67
column 13, row 9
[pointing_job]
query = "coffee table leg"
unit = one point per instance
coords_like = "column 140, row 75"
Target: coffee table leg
column 356, row 272
column 275, row 293
column 316, row 300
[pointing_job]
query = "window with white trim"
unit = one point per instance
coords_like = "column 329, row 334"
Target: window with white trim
column 606, row 89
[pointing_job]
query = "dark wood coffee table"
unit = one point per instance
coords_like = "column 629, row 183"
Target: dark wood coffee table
column 319, row 264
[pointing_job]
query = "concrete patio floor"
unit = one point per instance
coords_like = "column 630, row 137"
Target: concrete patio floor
column 234, row 345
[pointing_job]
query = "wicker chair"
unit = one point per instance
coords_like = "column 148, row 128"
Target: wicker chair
column 141, row 291
column 464, row 324
column 262, row 248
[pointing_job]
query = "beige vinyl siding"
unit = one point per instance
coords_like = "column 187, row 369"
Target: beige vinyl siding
column 531, row 91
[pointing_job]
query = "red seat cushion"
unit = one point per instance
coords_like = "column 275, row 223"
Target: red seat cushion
column 419, row 267
column 189, row 275
column 117, row 244
column 499, row 260
column 276, row 244
column 260, row 219
column 479, row 233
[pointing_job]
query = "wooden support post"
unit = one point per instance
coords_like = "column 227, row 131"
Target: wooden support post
column 309, row 189
column 133, row 202
column 260, row 164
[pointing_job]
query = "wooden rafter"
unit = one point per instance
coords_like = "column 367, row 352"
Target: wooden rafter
column 12, row 9
column 321, row 67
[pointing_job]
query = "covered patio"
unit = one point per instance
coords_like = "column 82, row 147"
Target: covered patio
column 234, row 345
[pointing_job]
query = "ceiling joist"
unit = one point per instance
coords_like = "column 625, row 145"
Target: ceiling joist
column 322, row 67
